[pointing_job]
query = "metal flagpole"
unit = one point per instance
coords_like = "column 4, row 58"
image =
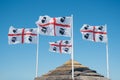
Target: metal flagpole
column 37, row 52
column 107, row 57
column 72, row 56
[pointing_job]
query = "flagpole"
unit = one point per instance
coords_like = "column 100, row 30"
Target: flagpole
column 107, row 57
column 72, row 56
column 37, row 52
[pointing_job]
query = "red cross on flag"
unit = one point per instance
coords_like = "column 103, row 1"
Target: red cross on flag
column 62, row 46
column 59, row 26
column 94, row 33
column 22, row 35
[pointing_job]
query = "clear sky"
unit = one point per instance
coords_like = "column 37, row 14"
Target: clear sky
column 17, row 62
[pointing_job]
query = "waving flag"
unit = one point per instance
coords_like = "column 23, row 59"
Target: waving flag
column 22, row 35
column 94, row 33
column 63, row 46
column 59, row 26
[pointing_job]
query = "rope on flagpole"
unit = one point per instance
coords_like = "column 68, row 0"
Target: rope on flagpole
column 107, row 57
column 37, row 52
column 72, row 56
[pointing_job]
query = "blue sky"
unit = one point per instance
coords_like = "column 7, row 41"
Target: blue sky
column 17, row 62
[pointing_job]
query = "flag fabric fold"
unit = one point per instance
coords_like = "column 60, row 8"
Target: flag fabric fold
column 62, row 46
column 94, row 33
column 58, row 26
column 22, row 35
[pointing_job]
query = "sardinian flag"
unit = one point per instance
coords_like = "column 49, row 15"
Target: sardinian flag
column 22, row 35
column 58, row 26
column 94, row 33
column 62, row 46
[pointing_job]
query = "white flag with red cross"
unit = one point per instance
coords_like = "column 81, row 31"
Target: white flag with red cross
column 62, row 46
column 94, row 33
column 22, row 35
column 58, row 26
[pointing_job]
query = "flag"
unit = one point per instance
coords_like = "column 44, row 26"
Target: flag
column 94, row 33
column 59, row 26
column 62, row 46
column 22, row 35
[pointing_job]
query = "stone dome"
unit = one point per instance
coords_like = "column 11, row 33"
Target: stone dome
column 64, row 72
